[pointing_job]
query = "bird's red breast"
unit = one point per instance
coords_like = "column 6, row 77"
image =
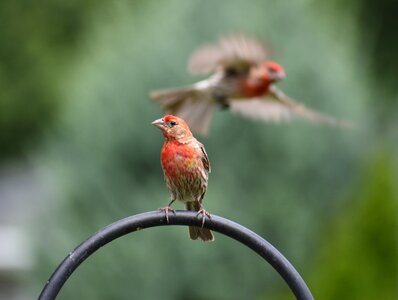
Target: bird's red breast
column 252, row 89
column 260, row 78
column 179, row 159
column 184, row 170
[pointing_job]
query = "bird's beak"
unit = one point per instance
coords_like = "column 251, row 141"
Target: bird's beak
column 281, row 75
column 159, row 123
column 278, row 76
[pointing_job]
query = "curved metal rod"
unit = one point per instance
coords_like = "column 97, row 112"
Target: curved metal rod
column 187, row 218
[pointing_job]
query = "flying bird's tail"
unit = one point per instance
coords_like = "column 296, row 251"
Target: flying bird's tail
column 187, row 103
column 198, row 233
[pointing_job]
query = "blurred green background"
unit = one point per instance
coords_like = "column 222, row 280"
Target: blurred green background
column 77, row 150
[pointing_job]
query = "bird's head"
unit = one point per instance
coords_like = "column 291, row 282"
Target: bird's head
column 272, row 72
column 173, row 128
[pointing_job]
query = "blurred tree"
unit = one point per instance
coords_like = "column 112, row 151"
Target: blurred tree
column 37, row 41
column 358, row 256
column 379, row 23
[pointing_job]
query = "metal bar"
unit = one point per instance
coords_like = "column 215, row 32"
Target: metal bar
column 187, row 218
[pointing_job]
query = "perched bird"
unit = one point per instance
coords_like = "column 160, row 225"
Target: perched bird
column 186, row 169
column 243, row 80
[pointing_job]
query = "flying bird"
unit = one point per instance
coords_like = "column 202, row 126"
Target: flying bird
column 186, row 169
column 242, row 80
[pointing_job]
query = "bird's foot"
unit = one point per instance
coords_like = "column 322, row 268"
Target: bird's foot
column 222, row 100
column 166, row 211
column 224, row 105
column 204, row 214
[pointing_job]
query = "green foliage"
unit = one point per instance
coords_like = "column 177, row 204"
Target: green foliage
column 358, row 258
column 37, row 40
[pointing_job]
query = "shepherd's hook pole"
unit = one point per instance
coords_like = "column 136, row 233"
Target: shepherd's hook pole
column 187, row 218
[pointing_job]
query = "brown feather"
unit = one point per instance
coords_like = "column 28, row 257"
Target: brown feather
column 198, row 233
column 188, row 104
column 230, row 51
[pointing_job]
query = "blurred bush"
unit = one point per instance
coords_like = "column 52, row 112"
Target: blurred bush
column 358, row 258
column 37, row 42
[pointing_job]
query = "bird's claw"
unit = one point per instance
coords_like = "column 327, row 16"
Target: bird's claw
column 204, row 214
column 166, row 211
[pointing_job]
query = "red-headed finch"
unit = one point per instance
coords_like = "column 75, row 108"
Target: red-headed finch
column 243, row 80
column 186, row 169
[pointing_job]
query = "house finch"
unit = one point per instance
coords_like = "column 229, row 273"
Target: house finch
column 243, row 80
column 186, row 169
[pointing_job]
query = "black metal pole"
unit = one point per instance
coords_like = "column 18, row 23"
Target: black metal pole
column 157, row 218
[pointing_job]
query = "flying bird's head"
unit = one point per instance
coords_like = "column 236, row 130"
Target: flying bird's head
column 173, row 128
column 272, row 72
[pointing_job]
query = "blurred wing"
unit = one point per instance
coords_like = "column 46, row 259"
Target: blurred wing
column 301, row 110
column 264, row 109
column 276, row 106
column 187, row 103
column 197, row 114
column 236, row 50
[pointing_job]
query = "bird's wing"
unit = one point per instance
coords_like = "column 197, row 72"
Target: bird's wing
column 197, row 114
column 302, row 111
column 276, row 106
column 187, row 103
column 205, row 158
column 231, row 51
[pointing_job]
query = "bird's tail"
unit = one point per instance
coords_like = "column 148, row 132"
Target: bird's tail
column 187, row 103
column 198, row 233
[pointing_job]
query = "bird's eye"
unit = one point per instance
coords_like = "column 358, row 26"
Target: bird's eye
column 172, row 123
column 272, row 70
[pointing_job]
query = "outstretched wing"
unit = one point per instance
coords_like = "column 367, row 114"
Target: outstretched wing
column 262, row 109
column 276, row 106
column 234, row 51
